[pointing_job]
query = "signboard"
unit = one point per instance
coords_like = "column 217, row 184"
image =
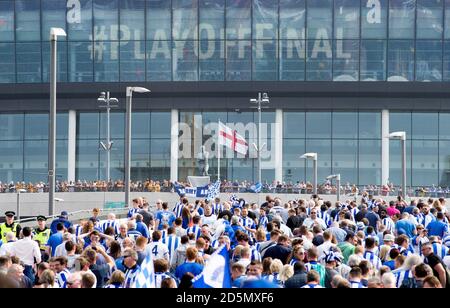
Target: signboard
column 114, row 205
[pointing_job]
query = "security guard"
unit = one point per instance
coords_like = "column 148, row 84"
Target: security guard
column 42, row 234
column 9, row 226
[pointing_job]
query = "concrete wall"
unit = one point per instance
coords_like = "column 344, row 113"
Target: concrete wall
column 37, row 204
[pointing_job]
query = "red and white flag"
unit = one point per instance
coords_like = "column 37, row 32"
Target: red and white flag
column 231, row 139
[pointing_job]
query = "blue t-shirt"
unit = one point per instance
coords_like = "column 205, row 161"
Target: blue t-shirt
column 54, row 241
column 390, row 264
column 165, row 218
column 193, row 268
column 67, row 224
column 405, row 227
column 437, row 228
column 142, row 228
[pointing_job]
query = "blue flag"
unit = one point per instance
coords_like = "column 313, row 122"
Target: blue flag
column 216, row 273
column 195, row 192
column 145, row 278
column 256, row 188
column 214, row 190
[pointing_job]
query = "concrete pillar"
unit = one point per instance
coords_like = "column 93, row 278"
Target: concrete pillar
column 72, row 145
column 385, row 131
column 174, row 145
column 279, row 145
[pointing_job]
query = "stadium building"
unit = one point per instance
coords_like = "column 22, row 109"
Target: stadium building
column 340, row 75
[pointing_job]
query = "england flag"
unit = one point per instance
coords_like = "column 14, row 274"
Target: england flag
column 231, row 139
column 216, row 273
column 145, row 279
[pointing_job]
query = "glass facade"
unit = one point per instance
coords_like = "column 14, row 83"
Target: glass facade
column 227, row 40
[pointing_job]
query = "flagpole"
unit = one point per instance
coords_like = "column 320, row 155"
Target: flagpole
column 218, row 151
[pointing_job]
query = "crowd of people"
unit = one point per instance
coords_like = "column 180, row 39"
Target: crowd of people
column 298, row 244
column 300, row 187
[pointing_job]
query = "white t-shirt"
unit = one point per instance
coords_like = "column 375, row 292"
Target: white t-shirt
column 158, row 250
column 209, row 220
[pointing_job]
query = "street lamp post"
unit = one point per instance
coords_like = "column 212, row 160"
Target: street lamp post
column 263, row 98
column 54, row 33
column 402, row 137
column 312, row 156
column 19, row 191
column 129, row 95
column 110, row 103
column 338, row 184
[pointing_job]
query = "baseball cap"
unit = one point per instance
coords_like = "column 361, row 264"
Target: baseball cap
column 64, row 214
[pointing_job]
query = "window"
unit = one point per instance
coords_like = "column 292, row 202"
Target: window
column 401, row 19
column 346, row 60
column 320, row 19
column 106, row 21
column 80, row 62
column 53, row 15
column 373, row 60
column 132, row 61
column 132, row 18
column 319, row 61
column 11, row 126
column 374, row 19
column 346, row 19
column 265, row 19
column 212, row 62
column 6, row 21
column 370, row 125
column 8, row 63
column 239, row 19
column 318, row 125
column 79, row 20
column 425, row 125
column 28, row 19
column 212, row 19
column 345, row 125
column 28, row 62
column 159, row 61
column 370, row 162
column 159, row 20
column 61, row 63
column 239, row 60
column 265, row 60
column 106, row 61
column 429, row 19
column 292, row 19
column 292, row 60
column 428, row 60
column 185, row 19
column 185, row 67
column 401, row 60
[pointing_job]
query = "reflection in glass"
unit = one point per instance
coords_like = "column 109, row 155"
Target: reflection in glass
column 346, row 17
column 374, row 19
column 345, row 125
column 185, row 15
column 292, row 19
column 428, row 60
column 401, row 60
column 106, row 21
column 36, row 161
column 185, row 62
column 265, row 19
column 28, row 57
column 28, row 17
column 318, row 125
column 346, row 60
column 401, row 19
column 323, row 148
column 319, row 60
column 373, row 60
column 444, row 163
column 79, row 21
column 211, row 23
column 53, row 16
column 370, row 125
column 444, row 126
column 11, row 164
column 425, row 163
column 80, row 62
column 132, row 18
column 239, row 22
column 88, row 125
column 294, row 124
column 425, row 125
column 293, row 167
column 370, row 162
column 61, row 65
column 159, row 25
column 429, row 19
column 239, row 64
column 159, row 61
column 7, row 18
column 320, row 19
column 132, row 61
column 8, row 63
column 265, row 56
column 106, row 62
column 212, row 60
column 345, row 160
column 401, row 122
column 11, row 126
column 292, row 60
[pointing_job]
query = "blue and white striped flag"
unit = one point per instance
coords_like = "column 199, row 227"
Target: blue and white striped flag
column 216, row 273
column 234, row 199
column 256, row 188
column 145, row 279
column 214, row 190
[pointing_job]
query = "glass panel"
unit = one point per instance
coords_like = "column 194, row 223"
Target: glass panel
column 185, row 62
column 11, row 164
column 160, row 125
column 294, row 125
column 132, row 18
column 370, row 125
column 447, row 19
column 53, row 16
column 106, row 61
column 61, row 160
column 425, row 163
column 444, row 163
column 140, row 160
column 239, row 20
column 36, row 126
column 88, row 125
column 140, row 125
column 239, row 64
column 241, row 170
column 132, row 61
column 160, row 159
column 80, row 62
column 159, row 61
column 444, row 126
column 346, row 60
column 117, row 128
column 319, row 61
column 28, row 17
column 8, row 63
column 446, row 61
column 323, row 149
column 401, row 61
column 292, row 60
column 345, row 160
column 374, row 19
column 401, row 19
column 11, row 126
column 61, row 62
column 395, row 165
column 28, row 62
column 293, row 167
column 87, row 160
column 292, row 19
column 373, row 60
column 346, row 19
column 345, row 125
column 265, row 62
column 212, row 62
column 401, row 122
column 79, row 20
column 212, row 19
column 425, row 125
column 429, row 61
column 62, row 125
column 265, row 19
column 429, row 19
column 35, row 161
column 320, row 19
column 106, row 21
column 159, row 20
column 185, row 19
column 117, row 160
column 318, row 125
column 6, row 21
column 369, row 162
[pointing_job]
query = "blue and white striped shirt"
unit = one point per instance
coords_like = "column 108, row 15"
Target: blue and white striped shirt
column 312, row 286
column 159, row 277
column 263, row 221
column 249, row 223
column 113, row 286
column 325, row 217
column 401, row 275
column 217, row 208
column 130, row 276
column 389, row 223
column 172, row 242
column 163, row 234
column 440, row 250
column 356, row 285
column 354, row 212
column 256, row 256
column 78, row 230
column 178, row 209
column 446, row 240
column 110, row 223
column 132, row 211
column 373, row 259
column 61, row 277
column 194, row 229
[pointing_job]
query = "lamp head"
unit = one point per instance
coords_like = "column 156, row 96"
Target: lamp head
column 55, row 32
column 265, row 98
column 130, row 90
column 309, row 156
column 398, row 136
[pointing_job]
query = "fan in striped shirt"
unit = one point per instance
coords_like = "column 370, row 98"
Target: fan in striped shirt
column 134, row 209
column 171, row 241
column 312, row 280
column 60, row 264
column 446, row 240
column 195, row 229
column 161, row 272
column 178, row 209
column 438, row 249
column 388, row 223
column 355, row 277
column 130, row 258
column 116, row 280
column 263, row 220
column 248, row 223
column 111, row 222
column 371, row 255
column 217, row 207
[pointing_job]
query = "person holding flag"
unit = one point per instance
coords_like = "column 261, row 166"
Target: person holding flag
column 216, row 273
